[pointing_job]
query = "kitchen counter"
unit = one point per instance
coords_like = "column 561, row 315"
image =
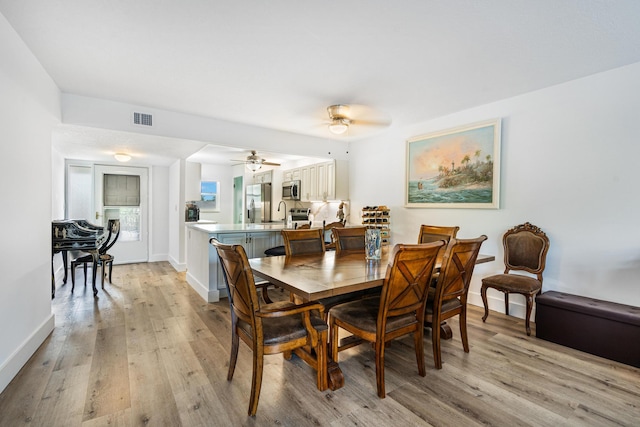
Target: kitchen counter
column 227, row 228
column 204, row 273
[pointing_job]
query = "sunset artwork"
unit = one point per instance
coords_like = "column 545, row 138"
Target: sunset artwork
column 457, row 168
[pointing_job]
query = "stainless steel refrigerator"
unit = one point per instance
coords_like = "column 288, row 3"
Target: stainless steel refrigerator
column 258, row 199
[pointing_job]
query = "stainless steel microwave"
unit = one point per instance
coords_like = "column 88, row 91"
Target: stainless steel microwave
column 291, row 190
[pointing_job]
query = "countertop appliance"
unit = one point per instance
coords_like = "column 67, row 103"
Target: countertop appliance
column 258, row 203
column 291, row 190
column 191, row 213
column 298, row 217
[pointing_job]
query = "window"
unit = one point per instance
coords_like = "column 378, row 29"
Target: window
column 209, row 195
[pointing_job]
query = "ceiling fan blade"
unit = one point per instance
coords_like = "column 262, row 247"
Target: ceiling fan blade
column 270, row 163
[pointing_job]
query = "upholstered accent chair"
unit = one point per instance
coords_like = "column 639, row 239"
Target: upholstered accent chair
column 278, row 327
column 449, row 297
column 525, row 249
column 399, row 309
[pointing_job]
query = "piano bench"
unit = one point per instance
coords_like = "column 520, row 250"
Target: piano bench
column 602, row 328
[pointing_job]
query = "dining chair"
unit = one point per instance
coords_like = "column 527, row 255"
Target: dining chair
column 304, row 226
column 525, row 249
column 433, row 233
column 399, row 309
column 274, row 328
column 104, row 258
column 303, row 241
column 349, row 240
column 327, row 232
column 449, row 297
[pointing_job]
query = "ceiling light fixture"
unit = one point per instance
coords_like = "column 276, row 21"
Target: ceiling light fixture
column 253, row 166
column 339, row 126
column 122, row 157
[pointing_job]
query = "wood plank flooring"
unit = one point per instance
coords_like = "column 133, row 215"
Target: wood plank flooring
column 150, row 351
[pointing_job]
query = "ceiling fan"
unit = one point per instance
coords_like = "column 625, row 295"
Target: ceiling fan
column 253, row 162
column 343, row 118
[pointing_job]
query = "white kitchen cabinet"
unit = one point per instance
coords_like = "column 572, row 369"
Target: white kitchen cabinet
column 262, row 177
column 204, row 272
column 322, row 181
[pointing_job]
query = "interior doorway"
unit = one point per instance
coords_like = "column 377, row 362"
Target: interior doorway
column 98, row 193
column 238, row 200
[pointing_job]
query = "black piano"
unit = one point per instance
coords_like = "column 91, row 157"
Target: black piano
column 74, row 235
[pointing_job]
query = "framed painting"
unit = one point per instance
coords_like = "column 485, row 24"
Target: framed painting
column 455, row 168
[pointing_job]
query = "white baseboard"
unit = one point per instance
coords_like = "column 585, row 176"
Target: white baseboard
column 178, row 266
column 20, row 357
column 517, row 304
column 203, row 290
column 158, row 257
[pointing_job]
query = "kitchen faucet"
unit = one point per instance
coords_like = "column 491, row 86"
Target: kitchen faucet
column 285, row 209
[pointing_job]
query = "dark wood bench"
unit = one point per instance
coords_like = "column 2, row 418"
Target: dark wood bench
column 598, row 327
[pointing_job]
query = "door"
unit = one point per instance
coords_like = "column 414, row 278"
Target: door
column 121, row 192
column 238, row 211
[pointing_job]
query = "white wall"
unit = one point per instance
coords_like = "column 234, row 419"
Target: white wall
column 29, row 108
column 159, row 214
column 569, row 166
column 224, row 175
column 176, row 215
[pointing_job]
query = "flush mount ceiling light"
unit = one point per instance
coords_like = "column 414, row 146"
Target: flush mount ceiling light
column 339, row 126
column 338, row 114
column 122, row 157
column 254, row 166
column 354, row 119
column 253, row 162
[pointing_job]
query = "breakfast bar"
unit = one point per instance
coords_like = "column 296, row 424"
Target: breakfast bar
column 204, row 274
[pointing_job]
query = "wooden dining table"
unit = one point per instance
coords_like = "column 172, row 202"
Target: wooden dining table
column 317, row 276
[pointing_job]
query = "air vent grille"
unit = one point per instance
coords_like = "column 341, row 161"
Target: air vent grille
column 142, row 119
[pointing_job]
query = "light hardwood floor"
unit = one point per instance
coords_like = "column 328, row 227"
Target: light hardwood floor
column 150, row 351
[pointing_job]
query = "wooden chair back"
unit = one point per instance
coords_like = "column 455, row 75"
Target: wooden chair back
column 303, row 242
column 457, row 269
column 398, row 311
column 525, row 248
column 349, row 239
column 327, row 231
column 433, row 233
column 449, row 298
column 273, row 328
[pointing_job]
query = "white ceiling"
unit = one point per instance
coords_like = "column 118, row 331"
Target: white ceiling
column 279, row 64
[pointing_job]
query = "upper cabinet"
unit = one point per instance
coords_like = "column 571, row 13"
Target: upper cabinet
column 321, row 181
column 262, row 177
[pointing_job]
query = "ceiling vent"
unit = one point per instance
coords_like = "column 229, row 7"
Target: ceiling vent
column 142, row 119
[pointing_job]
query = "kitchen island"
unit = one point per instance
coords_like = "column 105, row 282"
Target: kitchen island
column 204, row 273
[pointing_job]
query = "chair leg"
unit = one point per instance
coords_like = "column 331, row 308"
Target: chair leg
column 256, row 379
column 102, row 274
column 463, row 329
column 528, row 315
column 380, row 368
column 483, row 294
column 110, row 268
column 73, row 277
column 435, row 340
column 506, row 303
column 84, row 269
column 235, row 343
column 418, row 342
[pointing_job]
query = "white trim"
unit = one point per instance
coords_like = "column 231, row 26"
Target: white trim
column 20, row 357
column 203, row 290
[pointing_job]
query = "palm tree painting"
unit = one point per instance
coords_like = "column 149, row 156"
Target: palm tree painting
column 455, row 168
